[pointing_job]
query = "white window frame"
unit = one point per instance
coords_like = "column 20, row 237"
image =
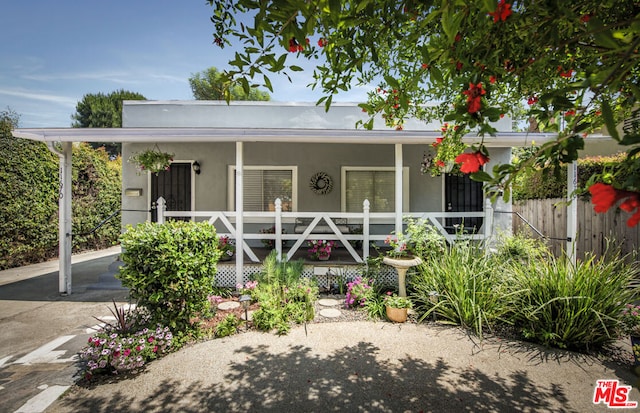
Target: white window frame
column 231, row 188
column 343, row 183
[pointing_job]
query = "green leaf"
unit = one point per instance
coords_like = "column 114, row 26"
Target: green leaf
column 296, row 68
column 607, row 115
column 481, row 176
column 267, row 83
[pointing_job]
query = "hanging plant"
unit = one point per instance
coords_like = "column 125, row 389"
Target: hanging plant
column 152, row 160
column 447, row 148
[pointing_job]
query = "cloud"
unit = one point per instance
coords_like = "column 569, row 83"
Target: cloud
column 44, row 97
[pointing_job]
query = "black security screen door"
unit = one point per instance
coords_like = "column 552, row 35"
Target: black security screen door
column 463, row 195
column 174, row 186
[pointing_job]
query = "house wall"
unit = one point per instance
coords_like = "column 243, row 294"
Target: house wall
column 425, row 192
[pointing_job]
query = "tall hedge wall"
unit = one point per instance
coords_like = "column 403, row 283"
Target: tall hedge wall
column 29, row 200
column 534, row 184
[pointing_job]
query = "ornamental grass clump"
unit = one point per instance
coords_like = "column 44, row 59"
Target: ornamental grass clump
column 469, row 287
column 577, row 307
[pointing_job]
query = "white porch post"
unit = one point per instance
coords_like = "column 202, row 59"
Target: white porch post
column 398, row 147
column 239, row 212
column 64, row 216
column 572, row 210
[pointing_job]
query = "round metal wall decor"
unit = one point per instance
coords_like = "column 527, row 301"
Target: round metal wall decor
column 321, row 183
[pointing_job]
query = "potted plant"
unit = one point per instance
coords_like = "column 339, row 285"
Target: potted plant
column 320, row 249
column 630, row 323
column 152, row 160
column 400, row 258
column 227, row 247
column 397, row 307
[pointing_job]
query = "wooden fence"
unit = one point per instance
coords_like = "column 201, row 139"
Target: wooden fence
column 549, row 216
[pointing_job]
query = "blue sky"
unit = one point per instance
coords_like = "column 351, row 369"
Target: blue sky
column 55, row 52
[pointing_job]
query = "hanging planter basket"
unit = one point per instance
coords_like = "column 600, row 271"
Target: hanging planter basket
column 152, row 160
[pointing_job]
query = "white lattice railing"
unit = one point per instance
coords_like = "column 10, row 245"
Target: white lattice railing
column 365, row 220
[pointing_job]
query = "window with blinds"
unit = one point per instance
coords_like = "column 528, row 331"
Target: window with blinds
column 377, row 184
column 262, row 185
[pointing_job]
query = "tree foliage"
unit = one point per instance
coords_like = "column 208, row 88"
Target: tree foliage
column 99, row 110
column 210, row 85
column 575, row 63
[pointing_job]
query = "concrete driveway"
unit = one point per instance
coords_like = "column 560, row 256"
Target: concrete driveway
column 42, row 331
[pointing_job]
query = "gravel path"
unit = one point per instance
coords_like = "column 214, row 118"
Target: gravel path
column 360, row 366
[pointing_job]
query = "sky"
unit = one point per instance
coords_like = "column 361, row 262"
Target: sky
column 55, row 52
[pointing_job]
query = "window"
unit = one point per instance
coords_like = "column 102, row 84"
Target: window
column 263, row 184
column 375, row 184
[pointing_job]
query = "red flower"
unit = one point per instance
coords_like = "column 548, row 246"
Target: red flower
column 458, row 65
column 603, row 196
column 458, row 37
column 570, row 113
column 532, row 100
column 503, row 10
column 492, row 79
column 322, row 42
column 566, row 74
column 437, row 142
column 425, row 66
column 471, row 162
column 440, row 163
column 585, row 18
column 474, row 97
column 294, row 46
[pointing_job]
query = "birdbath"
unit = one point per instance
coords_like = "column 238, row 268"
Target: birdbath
column 402, row 264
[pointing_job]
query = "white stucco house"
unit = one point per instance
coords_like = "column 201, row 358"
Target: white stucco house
column 306, row 173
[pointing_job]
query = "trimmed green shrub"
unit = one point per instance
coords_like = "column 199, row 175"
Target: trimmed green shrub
column 29, row 187
column 170, row 270
column 29, row 207
column 576, row 307
column 535, row 184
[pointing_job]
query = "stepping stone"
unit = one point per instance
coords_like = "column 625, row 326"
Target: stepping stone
column 228, row 305
column 328, row 302
column 330, row 312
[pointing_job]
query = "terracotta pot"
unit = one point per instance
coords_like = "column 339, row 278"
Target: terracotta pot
column 397, row 315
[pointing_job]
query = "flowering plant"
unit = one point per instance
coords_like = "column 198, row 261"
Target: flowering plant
column 152, row 160
column 630, row 319
column 110, row 351
column 320, row 248
column 226, row 246
column 248, row 288
column 395, row 301
column 358, row 292
column 399, row 246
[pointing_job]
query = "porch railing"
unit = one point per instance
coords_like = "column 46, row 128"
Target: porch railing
column 365, row 220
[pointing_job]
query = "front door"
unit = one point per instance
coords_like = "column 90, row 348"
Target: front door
column 463, row 195
column 174, row 186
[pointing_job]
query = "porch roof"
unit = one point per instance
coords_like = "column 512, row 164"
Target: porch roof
column 206, row 134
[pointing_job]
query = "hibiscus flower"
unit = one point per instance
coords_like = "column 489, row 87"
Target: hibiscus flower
column 471, row 162
column 503, row 10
